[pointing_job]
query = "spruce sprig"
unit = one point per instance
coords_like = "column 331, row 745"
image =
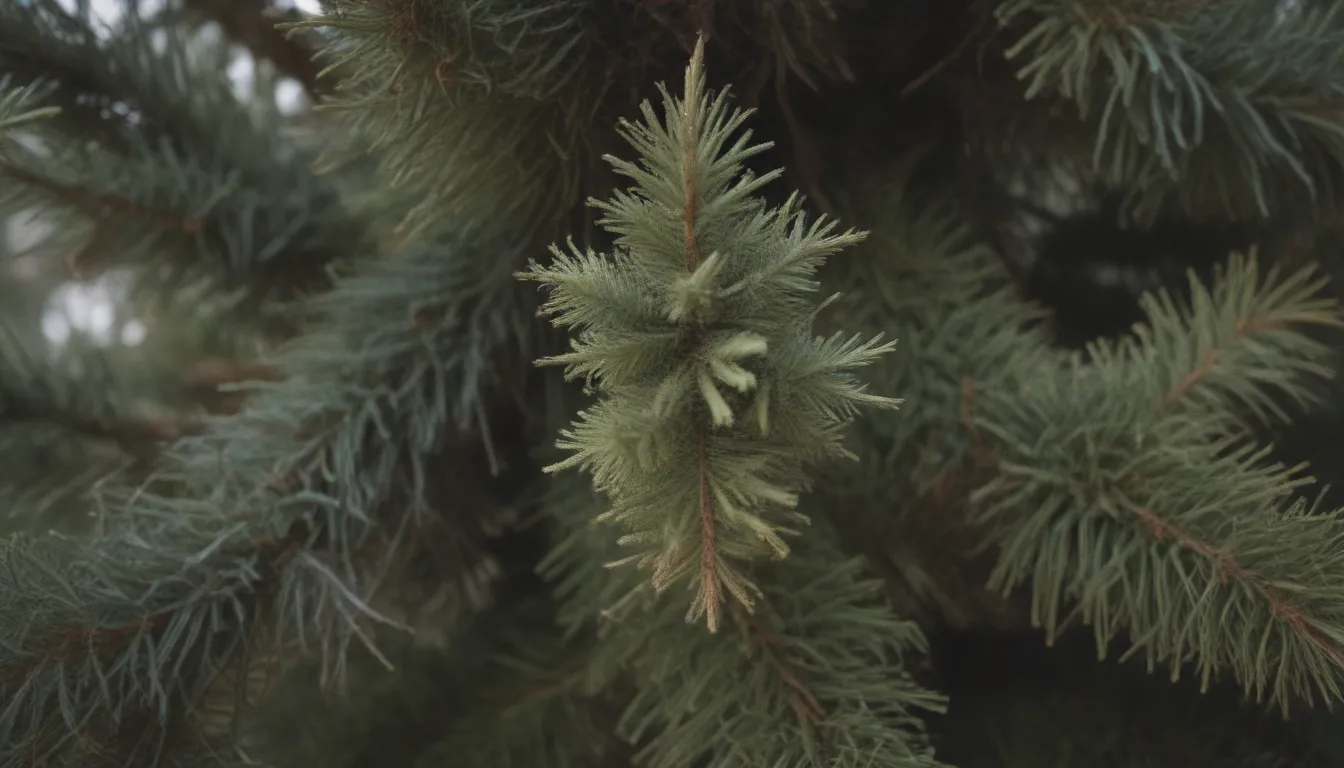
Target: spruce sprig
column 696, row 333
column 13, row 111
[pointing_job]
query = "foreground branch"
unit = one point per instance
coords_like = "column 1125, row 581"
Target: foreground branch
column 685, row 347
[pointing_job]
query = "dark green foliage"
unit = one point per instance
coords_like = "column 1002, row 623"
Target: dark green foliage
column 1184, row 114
column 1059, row 708
column 180, row 585
column 177, row 160
column 510, row 693
column 438, row 119
column 1163, row 520
column 307, row 522
column 818, row 666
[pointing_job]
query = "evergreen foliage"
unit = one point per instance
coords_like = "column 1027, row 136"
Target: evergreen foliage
column 154, row 152
column 438, row 118
column 12, row 113
column 820, row 661
column 1161, row 85
column 323, row 513
column 1120, row 523
column 715, row 397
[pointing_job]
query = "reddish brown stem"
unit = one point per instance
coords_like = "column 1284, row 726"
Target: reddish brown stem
column 1224, row 562
column 1281, row 607
column 709, row 574
column 105, row 207
column 805, row 704
column 252, row 24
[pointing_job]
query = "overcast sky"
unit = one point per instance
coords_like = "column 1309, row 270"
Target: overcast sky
column 110, row 8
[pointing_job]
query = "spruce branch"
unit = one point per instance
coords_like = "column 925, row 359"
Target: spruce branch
column 1231, row 111
column 14, row 111
column 815, row 676
column 152, row 155
column 301, row 510
column 1162, row 519
column 114, row 87
column 452, row 97
column 117, row 221
column 924, row 276
column 697, row 333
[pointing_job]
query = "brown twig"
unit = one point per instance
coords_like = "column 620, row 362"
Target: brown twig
column 1281, row 607
column 409, row 19
column 709, row 591
column 1208, row 365
column 933, row 71
column 1223, row 561
column 103, row 206
column 107, row 211
column 709, row 546
column 804, row 703
column 252, row 24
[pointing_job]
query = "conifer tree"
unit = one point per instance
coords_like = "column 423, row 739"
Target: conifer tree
column 472, row 388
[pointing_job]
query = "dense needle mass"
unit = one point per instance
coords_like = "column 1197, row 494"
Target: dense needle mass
column 315, row 449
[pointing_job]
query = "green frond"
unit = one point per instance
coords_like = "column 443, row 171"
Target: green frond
column 14, row 111
column 257, row 513
column 453, row 97
column 696, row 332
column 1127, row 493
column 819, row 670
column 1222, row 109
column 151, row 156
